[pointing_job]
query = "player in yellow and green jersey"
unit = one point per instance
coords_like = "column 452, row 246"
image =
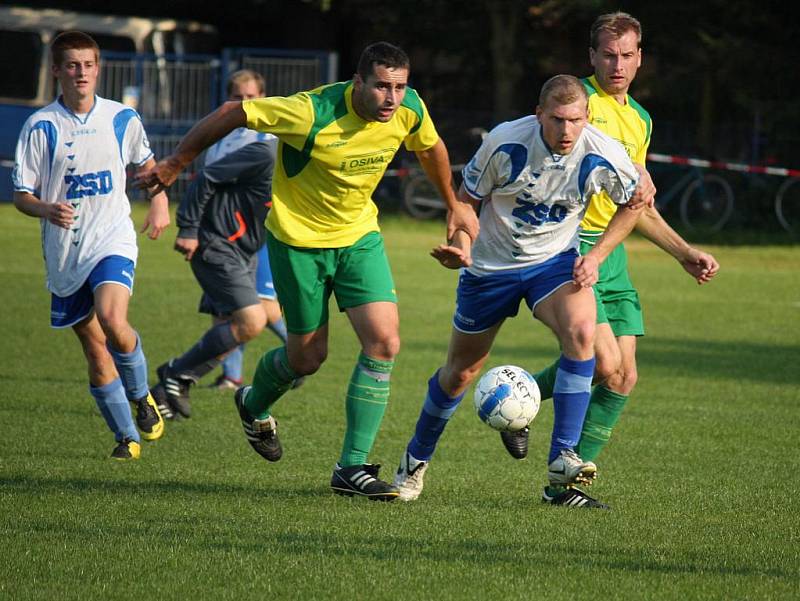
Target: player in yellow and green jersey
column 615, row 53
column 334, row 145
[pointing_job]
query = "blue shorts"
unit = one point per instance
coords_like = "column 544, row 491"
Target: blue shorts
column 66, row 311
column 264, row 285
column 484, row 301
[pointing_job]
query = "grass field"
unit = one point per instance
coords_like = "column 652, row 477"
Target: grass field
column 700, row 473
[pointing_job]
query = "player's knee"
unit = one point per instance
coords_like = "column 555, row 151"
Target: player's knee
column 249, row 326
column 385, row 349
column 579, row 336
column 114, row 324
column 606, row 365
column 629, row 379
column 309, row 361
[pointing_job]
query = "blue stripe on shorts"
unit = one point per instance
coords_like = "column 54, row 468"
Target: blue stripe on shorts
column 66, row 311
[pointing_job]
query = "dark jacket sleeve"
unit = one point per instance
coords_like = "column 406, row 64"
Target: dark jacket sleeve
column 190, row 210
column 250, row 161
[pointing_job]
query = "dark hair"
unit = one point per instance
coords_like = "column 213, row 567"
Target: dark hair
column 72, row 40
column 381, row 53
column 244, row 75
column 617, row 24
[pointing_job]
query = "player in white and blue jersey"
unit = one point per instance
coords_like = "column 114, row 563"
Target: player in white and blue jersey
column 70, row 172
column 533, row 178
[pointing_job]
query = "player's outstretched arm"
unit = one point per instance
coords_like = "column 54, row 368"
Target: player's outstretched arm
column 205, row 132
column 456, row 253
column 436, row 164
column 702, row 266
column 58, row 213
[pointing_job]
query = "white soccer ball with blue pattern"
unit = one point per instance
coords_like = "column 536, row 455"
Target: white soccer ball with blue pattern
column 507, row 398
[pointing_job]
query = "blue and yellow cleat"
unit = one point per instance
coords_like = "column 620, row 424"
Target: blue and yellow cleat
column 127, row 449
column 148, row 418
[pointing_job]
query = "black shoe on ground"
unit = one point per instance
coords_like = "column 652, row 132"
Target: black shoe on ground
column 176, row 390
column 362, row 480
column 572, row 497
column 262, row 434
column 516, row 443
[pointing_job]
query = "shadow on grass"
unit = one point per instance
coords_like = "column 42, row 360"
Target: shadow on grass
column 24, row 484
column 455, row 549
column 735, row 360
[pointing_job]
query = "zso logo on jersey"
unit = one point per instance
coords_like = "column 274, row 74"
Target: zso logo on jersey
column 88, row 184
column 537, row 214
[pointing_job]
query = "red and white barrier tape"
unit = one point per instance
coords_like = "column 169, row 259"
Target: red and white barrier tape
column 675, row 160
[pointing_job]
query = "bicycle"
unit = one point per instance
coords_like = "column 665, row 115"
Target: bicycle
column 420, row 197
column 787, row 205
column 705, row 200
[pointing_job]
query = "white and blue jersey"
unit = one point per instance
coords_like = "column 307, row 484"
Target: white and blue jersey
column 241, row 136
column 533, row 199
column 81, row 160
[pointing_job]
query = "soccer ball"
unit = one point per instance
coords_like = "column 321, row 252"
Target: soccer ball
column 507, row 398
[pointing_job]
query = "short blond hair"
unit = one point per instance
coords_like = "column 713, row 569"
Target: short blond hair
column 563, row 89
column 244, row 75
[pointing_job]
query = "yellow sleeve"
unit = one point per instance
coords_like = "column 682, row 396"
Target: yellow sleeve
column 289, row 118
column 422, row 133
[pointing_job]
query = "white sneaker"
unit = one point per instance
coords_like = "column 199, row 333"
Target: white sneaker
column 568, row 469
column 408, row 480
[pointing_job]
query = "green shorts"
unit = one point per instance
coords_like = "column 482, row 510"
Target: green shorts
column 617, row 300
column 305, row 278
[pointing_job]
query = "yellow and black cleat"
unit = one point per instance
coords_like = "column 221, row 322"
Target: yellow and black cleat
column 126, row 450
column 148, row 418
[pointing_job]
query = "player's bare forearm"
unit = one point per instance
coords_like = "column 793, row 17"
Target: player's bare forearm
column 702, row 266
column 203, row 134
column 456, row 253
column 436, row 164
column 157, row 219
column 58, row 213
column 621, row 224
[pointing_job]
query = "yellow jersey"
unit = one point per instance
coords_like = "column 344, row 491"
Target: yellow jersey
column 330, row 160
column 627, row 123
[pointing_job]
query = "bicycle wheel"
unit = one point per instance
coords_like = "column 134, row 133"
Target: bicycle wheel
column 421, row 198
column 787, row 205
column 707, row 203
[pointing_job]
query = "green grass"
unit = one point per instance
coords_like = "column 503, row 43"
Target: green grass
column 700, row 471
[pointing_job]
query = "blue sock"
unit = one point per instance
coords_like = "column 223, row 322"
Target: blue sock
column 232, row 364
column 571, row 393
column 115, row 409
column 279, row 328
column 132, row 368
column 436, row 412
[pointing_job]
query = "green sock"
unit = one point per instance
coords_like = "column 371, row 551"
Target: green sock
column 546, row 379
column 273, row 377
column 605, row 407
column 367, row 397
